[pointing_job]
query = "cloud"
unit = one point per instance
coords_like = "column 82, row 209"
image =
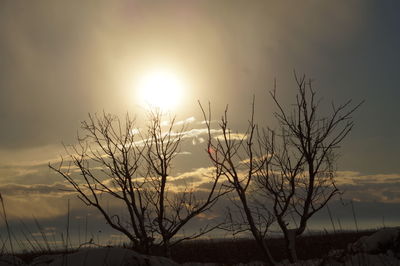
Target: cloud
column 232, row 136
column 186, row 121
column 205, row 122
column 12, row 171
column 255, row 158
column 377, row 187
column 38, row 200
column 50, row 201
column 30, row 157
column 194, row 178
column 195, row 132
column 56, row 189
column 187, row 181
column 184, row 153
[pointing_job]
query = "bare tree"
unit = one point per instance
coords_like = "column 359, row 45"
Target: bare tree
column 239, row 158
column 299, row 177
column 288, row 173
column 173, row 212
column 115, row 161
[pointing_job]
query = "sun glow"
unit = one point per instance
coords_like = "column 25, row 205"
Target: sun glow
column 160, row 89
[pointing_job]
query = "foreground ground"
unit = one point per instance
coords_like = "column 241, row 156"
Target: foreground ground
column 234, row 251
column 246, row 250
column 370, row 249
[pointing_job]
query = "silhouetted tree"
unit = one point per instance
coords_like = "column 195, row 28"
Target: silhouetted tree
column 299, row 176
column 118, row 160
column 239, row 158
column 172, row 213
column 289, row 172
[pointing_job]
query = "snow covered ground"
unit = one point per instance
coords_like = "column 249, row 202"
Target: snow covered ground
column 380, row 248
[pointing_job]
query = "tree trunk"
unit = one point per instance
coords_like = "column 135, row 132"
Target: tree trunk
column 167, row 249
column 146, row 246
column 269, row 259
column 253, row 228
column 290, row 239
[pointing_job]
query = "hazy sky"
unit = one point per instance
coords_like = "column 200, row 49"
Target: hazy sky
column 60, row 60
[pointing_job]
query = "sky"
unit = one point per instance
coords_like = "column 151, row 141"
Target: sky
column 60, row 60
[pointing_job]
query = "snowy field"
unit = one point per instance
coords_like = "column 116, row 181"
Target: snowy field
column 379, row 248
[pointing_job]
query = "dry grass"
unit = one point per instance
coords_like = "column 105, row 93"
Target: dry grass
column 245, row 250
column 231, row 251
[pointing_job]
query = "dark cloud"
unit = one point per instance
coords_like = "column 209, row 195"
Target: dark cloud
column 379, row 187
column 41, row 189
column 367, row 215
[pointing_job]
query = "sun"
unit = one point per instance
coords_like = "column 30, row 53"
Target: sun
column 161, row 89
